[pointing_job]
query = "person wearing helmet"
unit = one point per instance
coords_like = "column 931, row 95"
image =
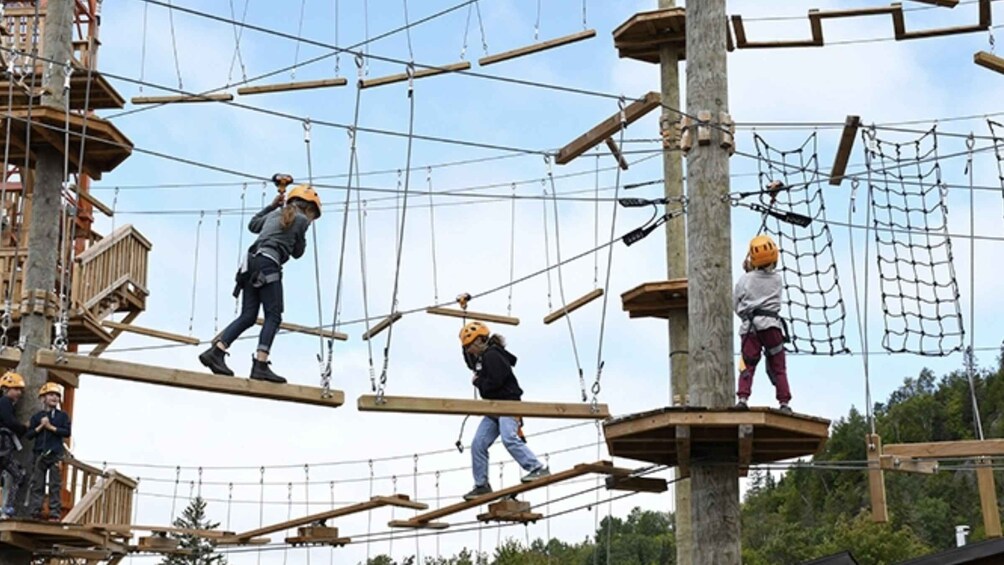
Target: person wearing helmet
column 281, row 234
column 11, row 389
column 48, row 427
column 757, row 301
column 486, row 355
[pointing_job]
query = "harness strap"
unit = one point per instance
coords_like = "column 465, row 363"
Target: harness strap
column 767, row 314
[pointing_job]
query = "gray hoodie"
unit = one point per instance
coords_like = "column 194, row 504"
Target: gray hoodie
column 273, row 241
column 758, row 290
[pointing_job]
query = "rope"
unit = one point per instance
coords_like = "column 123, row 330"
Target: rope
column 142, row 55
column 861, row 319
column 512, row 247
column 261, row 503
column 174, row 44
column 369, row 516
column 216, row 283
column 289, row 516
column 195, row 272
column 596, row 219
column 230, row 501
column 414, row 478
column 432, row 227
column 238, row 34
column 174, row 496
column 471, row 7
column 407, row 32
column 536, row 25
column 970, row 356
column 325, row 368
column 240, row 238
column 299, row 33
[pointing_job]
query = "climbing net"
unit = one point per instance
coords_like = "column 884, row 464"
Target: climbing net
column 997, row 133
column 813, row 300
column 920, row 292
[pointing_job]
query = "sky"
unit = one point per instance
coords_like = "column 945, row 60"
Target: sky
column 259, row 461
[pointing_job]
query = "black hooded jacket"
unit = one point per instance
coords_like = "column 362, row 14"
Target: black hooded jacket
column 495, row 379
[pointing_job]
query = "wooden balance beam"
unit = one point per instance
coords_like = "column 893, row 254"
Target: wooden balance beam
column 471, row 315
column 989, row 61
column 573, row 306
column 536, row 47
column 180, row 378
column 149, row 332
column 608, row 127
column 381, row 326
column 182, row 98
column 289, row 86
column 401, row 77
column 459, row 407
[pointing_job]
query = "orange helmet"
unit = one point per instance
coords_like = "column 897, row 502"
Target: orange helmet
column 472, row 331
column 10, row 379
column 50, row 388
column 307, row 194
column 763, row 251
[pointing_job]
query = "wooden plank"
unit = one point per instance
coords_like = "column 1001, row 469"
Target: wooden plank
column 742, row 42
column 891, row 463
column 537, row 47
column 425, row 520
column 288, row 86
column 745, row 448
column 182, row 98
column 157, row 543
column 381, row 325
column 189, row 379
column 151, row 332
column 989, row 61
column 632, row 113
column 637, row 484
column 471, row 315
column 616, row 152
column 127, row 529
column 988, row 499
column 401, row 77
column 424, row 525
column 810, row 426
column 463, row 407
column 510, row 510
column 683, row 450
column 853, row 12
column 305, row 540
column 843, row 156
column 573, row 306
column 944, row 3
column 876, row 479
column 96, row 203
column 326, row 333
column 375, row 502
column 946, row 449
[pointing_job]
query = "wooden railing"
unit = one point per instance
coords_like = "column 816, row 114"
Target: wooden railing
column 96, row 496
column 117, row 260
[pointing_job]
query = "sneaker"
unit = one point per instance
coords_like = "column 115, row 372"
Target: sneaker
column 538, row 473
column 742, row 404
column 479, row 490
column 785, row 408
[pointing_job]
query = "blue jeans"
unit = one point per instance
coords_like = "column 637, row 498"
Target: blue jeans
column 488, row 432
column 267, row 297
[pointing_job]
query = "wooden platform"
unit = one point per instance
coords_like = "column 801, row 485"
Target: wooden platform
column 460, row 407
column 36, row 536
column 180, row 378
column 103, row 95
column 674, row 436
column 105, row 148
column 656, row 299
column 645, row 33
column 510, row 510
column 82, row 328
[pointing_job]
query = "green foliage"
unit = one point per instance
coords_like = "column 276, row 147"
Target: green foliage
column 203, row 551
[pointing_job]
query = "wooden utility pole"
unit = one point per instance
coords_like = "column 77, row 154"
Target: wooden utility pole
column 676, row 268
column 714, row 482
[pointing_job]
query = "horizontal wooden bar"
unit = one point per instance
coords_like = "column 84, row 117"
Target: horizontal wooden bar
column 943, row 3
column 426, row 405
column 410, row 524
column 330, row 334
column 636, row 484
column 633, row 112
column 375, row 502
column 126, row 529
column 382, row 325
column 151, row 332
column 183, row 98
column 853, row 12
column 536, row 47
column 616, row 152
column 96, row 203
column 471, row 315
column 843, row 156
column 289, row 86
column 573, row 305
column 179, row 378
column 989, row 61
column 932, row 450
column 422, row 73
column 908, row 465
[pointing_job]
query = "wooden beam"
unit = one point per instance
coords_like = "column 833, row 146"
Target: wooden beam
column 637, row 484
column 632, row 113
column 151, row 374
column 151, row 332
column 745, row 448
column 616, row 152
column 398, row 500
column 182, row 98
column 401, row 77
column 510, row 510
column 573, row 306
column 127, row 529
column 989, row 61
column 876, row 479
column 892, row 463
column 683, row 450
column 462, row 407
column 424, row 525
column 381, row 325
column 96, row 203
column 288, row 86
column 947, row 449
column 844, row 150
column 988, row 499
column 943, row 3
column 536, row 47
column 471, row 315
column 101, row 347
column 326, row 333
column 743, row 43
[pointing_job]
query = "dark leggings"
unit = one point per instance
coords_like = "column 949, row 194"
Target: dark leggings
column 268, row 297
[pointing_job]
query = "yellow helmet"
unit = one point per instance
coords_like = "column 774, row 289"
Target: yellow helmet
column 10, row 379
column 49, row 388
column 307, row 194
column 763, row 251
column 472, row 331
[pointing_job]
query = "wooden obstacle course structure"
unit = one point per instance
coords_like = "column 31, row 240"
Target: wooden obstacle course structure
column 510, row 510
column 381, row 326
column 655, row 299
column 595, row 136
column 291, row 86
column 989, row 61
column 573, row 305
column 472, row 315
column 182, row 98
column 463, row 407
column 847, row 137
column 422, row 73
column 645, row 34
column 102, row 95
column 537, row 47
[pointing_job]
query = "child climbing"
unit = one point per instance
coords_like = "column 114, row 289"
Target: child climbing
column 11, row 389
column 48, row 427
column 486, row 355
column 281, row 234
column 757, row 302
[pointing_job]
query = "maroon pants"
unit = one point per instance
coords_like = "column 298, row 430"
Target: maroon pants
column 752, row 344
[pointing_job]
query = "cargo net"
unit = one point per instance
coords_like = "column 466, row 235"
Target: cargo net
column 996, row 131
column 920, row 293
column 813, row 302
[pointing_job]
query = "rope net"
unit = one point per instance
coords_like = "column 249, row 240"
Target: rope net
column 813, row 301
column 920, row 292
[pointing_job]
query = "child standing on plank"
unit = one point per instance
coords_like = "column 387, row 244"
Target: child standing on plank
column 48, row 427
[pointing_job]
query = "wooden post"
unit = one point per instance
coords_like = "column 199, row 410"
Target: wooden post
column 676, row 268
column 876, row 479
column 988, row 499
column 714, row 482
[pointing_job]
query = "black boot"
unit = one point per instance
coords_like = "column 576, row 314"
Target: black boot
column 260, row 371
column 215, row 359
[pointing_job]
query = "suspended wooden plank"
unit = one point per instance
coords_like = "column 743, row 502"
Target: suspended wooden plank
column 99, row 205
column 382, row 325
column 183, row 98
column 422, row 73
column 573, row 306
column 537, row 47
column 989, row 61
column 947, row 449
column 157, row 543
column 180, row 378
column 847, row 138
column 637, row 484
column 876, row 479
column 943, row 3
column 988, row 499
column 317, row 535
column 632, row 113
column 471, row 315
column 425, row 405
column 289, row 86
column 741, row 42
column 616, row 152
column 151, row 332
column 908, row 465
column 510, row 510
column 326, row 333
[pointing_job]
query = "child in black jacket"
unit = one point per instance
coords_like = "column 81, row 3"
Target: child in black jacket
column 48, row 427
column 11, row 389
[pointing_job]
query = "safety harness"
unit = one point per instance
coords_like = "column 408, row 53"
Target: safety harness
column 255, row 278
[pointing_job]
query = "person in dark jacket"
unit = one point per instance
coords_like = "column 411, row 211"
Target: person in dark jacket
column 48, row 427
column 11, row 389
column 486, row 355
column 281, row 234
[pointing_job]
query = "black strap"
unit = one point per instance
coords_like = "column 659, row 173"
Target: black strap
column 767, row 314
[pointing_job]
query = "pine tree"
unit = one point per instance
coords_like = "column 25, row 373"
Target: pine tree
column 203, row 551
